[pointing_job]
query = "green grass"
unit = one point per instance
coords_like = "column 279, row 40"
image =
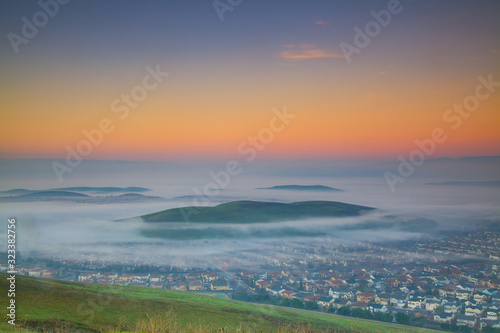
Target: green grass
column 256, row 212
column 71, row 307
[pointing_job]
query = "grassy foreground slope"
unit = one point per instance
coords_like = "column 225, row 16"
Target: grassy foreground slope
column 257, row 211
column 56, row 306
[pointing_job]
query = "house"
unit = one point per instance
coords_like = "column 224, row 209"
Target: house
column 104, row 280
column 49, row 273
column 196, row 286
column 178, row 286
column 125, row 278
column 383, row 298
column 378, row 308
column 443, row 317
column 300, row 296
column 431, row 298
column 287, row 293
column 493, row 323
column 138, row 283
column 157, row 278
column 365, row 297
column 325, row 301
column 490, row 292
column 441, row 280
column 452, row 307
column 334, row 293
column 312, row 298
column 472, row 310
column 399, row 299
column 248, row 275
column 431, row 305
column 470, row 321
column 415, row 302
column 274, row 290
column 492, row 314
column 156, row 285
column 263, row 284
column 480, row 298
column 141, row 276
column 85, row 277
column 338, row 303
column 310, row 286
column 35, row 272
column 109, row 275
column 219, row 285
column 463, row 295
column 448, row 291
column 191, row 276
column 360, row 305
column 209, row 276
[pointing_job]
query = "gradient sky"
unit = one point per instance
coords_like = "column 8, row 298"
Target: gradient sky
column 227, row 76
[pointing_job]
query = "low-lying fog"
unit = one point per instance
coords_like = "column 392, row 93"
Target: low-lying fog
column 87, row 231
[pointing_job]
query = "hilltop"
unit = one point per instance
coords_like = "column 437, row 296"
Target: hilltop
column 80, row 195
column 321, row 188
column 257, row 212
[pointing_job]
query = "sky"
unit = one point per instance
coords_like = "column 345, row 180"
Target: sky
column 234, row 68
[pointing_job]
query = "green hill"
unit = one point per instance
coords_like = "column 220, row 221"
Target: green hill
column 52, row 194
column 256, row 211
column 301, row 188
column 57, row 306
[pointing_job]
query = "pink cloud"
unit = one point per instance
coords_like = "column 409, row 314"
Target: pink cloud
column 307, row 51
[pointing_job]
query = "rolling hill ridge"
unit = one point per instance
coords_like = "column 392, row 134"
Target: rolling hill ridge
column 257, row 212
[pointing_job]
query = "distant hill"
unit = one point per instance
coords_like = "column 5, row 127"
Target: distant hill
column 17, row 191
column 84, row 189
column 56, row 306
column 301, row 188
column 76, row 197
column 104, row 189
column 257, row 211
column 54, row 194
column 493, row 183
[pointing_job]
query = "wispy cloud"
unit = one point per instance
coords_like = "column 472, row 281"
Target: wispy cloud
column 495, row 51
column 321, row 22
column 307, row 51
column 382, row 72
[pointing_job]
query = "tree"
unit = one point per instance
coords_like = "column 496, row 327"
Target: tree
column 357, row 312
column 285, row 302
column 297, row 303
column 344, row 311
column 402, row 318
column 310, row 305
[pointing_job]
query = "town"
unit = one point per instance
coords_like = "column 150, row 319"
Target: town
column 450, row 284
